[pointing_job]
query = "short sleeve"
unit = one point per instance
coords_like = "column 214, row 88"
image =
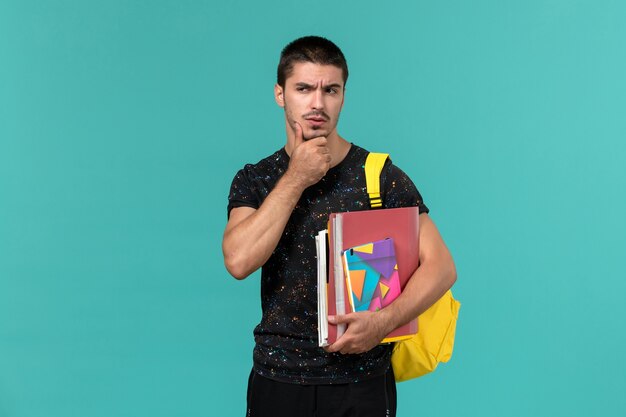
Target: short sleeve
column 242, row 192
column 399, row 190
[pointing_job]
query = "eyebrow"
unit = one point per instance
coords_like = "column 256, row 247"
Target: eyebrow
column 303, row 84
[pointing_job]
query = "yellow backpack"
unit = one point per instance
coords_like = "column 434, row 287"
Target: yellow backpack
column 434, row 341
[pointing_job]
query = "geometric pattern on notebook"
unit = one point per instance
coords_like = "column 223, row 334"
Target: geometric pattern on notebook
column 393, row 283
column 367, row 248
column 375, row 305
column 373, row 274
column 383, row 289
column 357, row 279
column 379, row 255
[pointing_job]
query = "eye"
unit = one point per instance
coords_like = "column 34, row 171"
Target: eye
column 332, row 90
column 302, row 89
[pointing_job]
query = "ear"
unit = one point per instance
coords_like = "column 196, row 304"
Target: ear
column 279, row 95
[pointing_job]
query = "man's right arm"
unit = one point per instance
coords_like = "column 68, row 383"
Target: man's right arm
column 251, row 235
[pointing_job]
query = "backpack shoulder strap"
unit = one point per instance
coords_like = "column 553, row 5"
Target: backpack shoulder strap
column 373, row 167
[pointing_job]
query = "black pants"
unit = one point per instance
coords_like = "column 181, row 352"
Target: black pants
column 375, row 397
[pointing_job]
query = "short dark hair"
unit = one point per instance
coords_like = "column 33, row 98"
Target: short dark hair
column 313, row 49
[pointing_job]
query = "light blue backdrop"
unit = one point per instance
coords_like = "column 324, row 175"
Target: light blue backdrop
column 123, row 122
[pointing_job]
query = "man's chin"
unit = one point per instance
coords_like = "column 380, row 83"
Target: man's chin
column 316, row 133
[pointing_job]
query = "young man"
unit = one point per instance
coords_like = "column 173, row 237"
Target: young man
column 275, row 208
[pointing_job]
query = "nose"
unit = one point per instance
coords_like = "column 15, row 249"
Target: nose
column 318, row 100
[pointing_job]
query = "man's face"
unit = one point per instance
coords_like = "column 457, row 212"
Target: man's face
column 312, row 97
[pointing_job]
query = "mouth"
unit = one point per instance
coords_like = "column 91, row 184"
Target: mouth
column 316, row 121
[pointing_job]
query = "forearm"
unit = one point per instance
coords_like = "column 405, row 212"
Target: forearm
column 250, row 243
column 367, row 329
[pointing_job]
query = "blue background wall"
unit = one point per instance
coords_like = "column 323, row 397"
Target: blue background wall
column 122, row 124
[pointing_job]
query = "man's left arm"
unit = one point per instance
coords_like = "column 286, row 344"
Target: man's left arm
column 435, row 275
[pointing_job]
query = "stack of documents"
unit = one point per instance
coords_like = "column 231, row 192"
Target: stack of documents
column 365, row 259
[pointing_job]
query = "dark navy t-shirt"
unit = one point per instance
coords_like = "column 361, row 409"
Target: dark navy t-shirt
column 286, row 338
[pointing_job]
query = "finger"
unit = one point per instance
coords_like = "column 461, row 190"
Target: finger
column 335, row 347
column 339, row 319
column 299, row 135
column 319, row 141
column 319, row 144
